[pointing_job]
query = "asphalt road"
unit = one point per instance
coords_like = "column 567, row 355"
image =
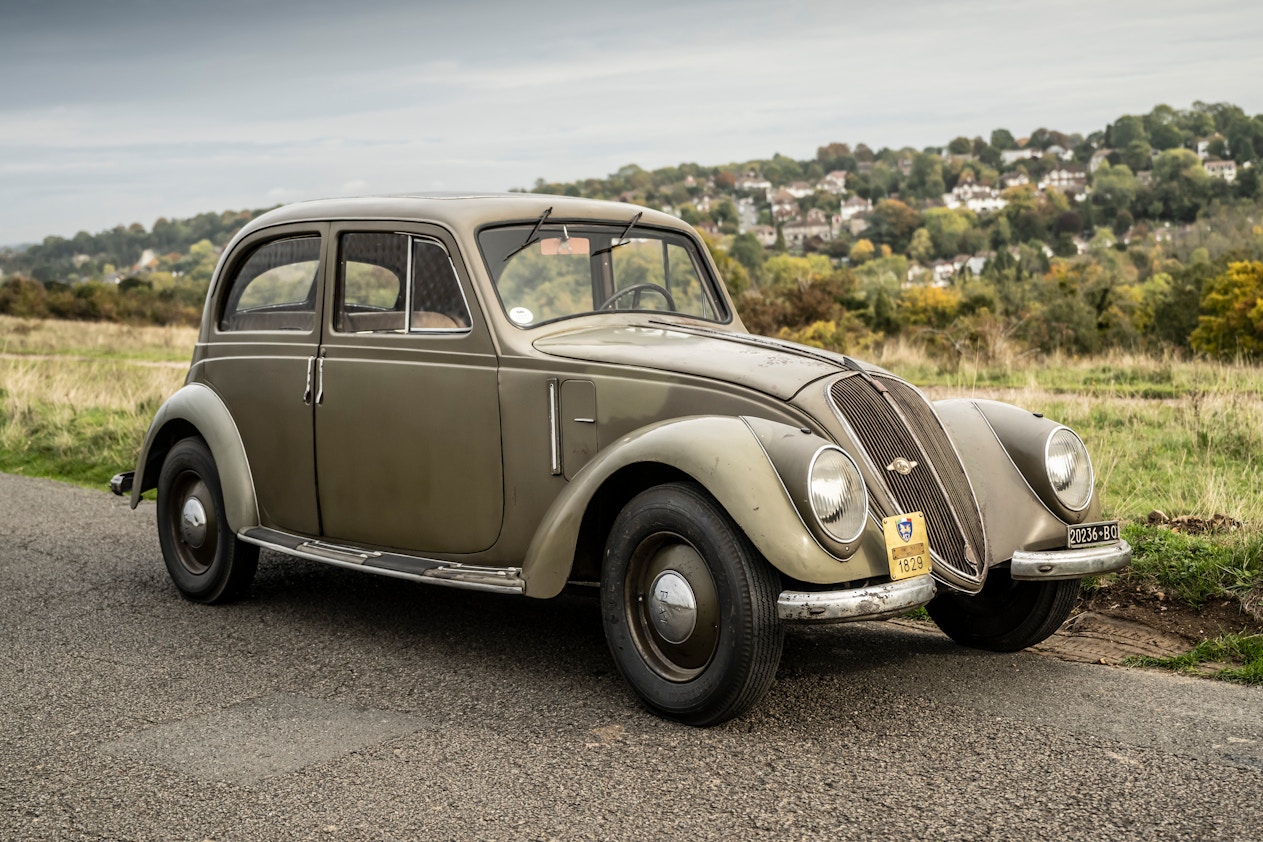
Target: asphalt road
column 335, row 705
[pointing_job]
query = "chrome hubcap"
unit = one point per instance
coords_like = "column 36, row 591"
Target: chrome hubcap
column 672, row 607
column 193, row 523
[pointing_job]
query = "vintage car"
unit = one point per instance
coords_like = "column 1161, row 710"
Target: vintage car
column 514, row 392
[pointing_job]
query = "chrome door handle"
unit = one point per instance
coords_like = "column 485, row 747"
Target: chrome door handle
column 320, row 382
column 311, row 365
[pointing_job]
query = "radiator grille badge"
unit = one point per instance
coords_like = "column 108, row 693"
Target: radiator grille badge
column 901, row 466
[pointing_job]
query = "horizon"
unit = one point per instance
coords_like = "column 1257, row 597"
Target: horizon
column 138, row 111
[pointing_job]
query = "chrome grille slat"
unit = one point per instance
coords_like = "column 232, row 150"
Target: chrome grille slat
column 929, row 431
column 905, row 426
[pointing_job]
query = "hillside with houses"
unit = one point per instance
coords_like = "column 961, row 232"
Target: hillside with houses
column 1060, row 241
column 1063, row 241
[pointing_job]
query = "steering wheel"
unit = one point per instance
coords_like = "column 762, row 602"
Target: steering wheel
column 637, row 289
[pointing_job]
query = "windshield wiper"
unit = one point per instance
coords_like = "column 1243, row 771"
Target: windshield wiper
column 531, row 239
column 622, row 238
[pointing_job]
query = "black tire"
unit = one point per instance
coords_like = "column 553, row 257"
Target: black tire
column 723, row 662
column 1006, row 615
column 206, row 561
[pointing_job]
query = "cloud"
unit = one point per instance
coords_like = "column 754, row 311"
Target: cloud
column 399, row 96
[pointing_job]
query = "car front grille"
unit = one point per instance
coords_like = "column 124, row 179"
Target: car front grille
column 891, row 421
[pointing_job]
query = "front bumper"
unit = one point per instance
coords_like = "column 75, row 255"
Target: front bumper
column 1053, row 565
column 121, row 484
column 875, row 602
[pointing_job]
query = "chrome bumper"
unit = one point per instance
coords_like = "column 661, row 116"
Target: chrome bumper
column 121, row 484
column 1069, row 564
column 875, row 602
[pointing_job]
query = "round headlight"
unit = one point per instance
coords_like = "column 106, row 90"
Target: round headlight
column 1069, row 469
column 838, row 497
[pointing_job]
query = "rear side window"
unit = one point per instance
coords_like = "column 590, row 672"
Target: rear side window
column 275, row 288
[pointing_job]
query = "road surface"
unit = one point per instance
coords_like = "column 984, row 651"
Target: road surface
column 333, row 705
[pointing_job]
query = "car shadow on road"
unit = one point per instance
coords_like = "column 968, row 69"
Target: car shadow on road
column 552, row 646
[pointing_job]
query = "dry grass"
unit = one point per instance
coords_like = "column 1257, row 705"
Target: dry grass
column 77, row 397
column 97, row 340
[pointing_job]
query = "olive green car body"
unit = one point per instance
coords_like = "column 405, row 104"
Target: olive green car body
column 498, row 456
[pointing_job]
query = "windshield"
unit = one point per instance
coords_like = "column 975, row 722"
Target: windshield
column 554, row 271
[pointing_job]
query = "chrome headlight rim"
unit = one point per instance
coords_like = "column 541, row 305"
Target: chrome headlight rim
column 862, row 520
column 1087, row 457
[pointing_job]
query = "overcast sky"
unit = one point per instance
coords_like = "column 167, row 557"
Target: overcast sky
column 121, row 111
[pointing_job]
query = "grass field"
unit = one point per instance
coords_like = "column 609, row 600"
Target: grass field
column 1181, row 437
column 77, row 397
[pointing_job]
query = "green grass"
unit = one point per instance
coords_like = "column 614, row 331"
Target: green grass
column 1229, row 658
column 1194, row 568
column 85, row 447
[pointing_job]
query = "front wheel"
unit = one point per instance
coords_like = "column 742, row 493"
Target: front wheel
column 206, row 560
column 689, row 607
column 1006, row 615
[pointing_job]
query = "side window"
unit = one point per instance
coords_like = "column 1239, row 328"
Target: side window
column 437, row 302
column 375, row 291
column 372, row 268
column 275, row 288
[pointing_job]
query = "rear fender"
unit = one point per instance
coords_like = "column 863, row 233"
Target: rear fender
column 196, row 410
column 724, row 456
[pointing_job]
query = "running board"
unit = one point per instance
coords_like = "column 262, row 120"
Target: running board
column 452, row 574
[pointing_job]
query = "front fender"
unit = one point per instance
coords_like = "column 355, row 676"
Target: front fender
column 1016, row 517
column 197, row 410
column 723, row 455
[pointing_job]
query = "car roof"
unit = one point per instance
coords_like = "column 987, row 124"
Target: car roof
column 462, row 210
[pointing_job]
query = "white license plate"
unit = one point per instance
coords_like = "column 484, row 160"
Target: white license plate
column 1087, row 534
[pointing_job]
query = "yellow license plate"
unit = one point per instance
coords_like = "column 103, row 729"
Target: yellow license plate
column 907, row 545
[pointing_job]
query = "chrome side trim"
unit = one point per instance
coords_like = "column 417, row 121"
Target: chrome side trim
column 1053, row 565
column 875, row 602
column 554, row 427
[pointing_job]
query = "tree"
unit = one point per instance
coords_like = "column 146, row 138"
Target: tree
column 1138, row 155
column 922, row 247
column 1126, row 129
column 1162, row 125
column 748, row 251
column 1232, row 313
column 927, row 306
column 960, row 146
column 1181, row 184
column 946, row 228
column 892, row 222
column 1003, row 139
column 1114, row 188
column 862, row 251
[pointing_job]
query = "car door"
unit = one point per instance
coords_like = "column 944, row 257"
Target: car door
column 407, row 417
column 260, row 360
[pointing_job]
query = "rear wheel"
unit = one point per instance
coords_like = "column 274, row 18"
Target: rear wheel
column 689, row 607
column 206, row 561
column 1007, row 615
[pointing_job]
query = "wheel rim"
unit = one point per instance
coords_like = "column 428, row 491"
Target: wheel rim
column 672, row 607
column 193, row 523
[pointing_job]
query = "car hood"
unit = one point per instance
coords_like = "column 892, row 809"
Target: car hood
column 771, row 366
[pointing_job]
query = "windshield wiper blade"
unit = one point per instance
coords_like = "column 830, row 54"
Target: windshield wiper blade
column 531, row 239
column 622, row 238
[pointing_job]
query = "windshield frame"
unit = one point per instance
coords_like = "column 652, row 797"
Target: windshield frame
column 712, row 289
